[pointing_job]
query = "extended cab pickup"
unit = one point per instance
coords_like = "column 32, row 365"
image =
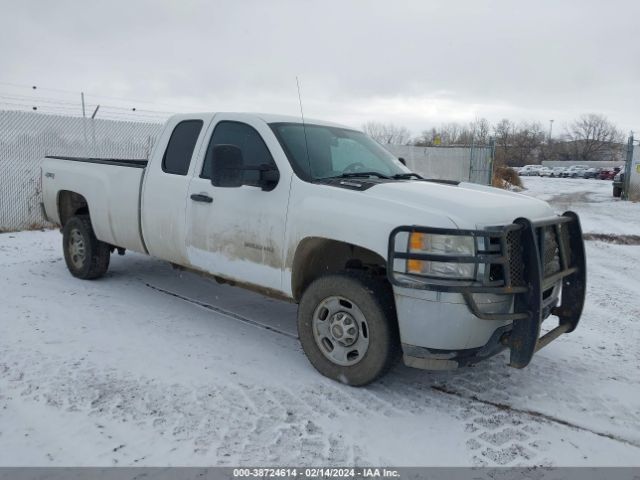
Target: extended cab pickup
column 380, row 260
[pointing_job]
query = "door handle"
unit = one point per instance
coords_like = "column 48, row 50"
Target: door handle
column 199, row 197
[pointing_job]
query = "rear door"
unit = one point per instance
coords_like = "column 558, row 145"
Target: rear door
column 238, row 233
column 166, row 183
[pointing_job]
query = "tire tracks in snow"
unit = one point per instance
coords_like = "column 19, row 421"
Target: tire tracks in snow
column 618, row 239
column 472, row 399
column 222, row 311
column 535, row 414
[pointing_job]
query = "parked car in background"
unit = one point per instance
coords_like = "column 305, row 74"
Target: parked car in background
column 556, row 172
column 608, row 173
column 545, row 172
column 574, row 171
column 590, row 173
column 618, row 183
column 530, row 170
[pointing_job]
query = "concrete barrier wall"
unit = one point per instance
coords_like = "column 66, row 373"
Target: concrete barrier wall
column 448, row 163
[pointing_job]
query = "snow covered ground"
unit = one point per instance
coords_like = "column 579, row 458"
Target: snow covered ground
column 148, row 366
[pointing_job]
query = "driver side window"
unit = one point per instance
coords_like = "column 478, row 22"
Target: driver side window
column 248, row 140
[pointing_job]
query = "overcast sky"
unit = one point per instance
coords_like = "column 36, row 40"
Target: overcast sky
column 414, row 63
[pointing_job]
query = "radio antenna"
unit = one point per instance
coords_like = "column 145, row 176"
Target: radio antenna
column 304, row 127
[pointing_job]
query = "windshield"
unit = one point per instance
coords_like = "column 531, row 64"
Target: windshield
column 318, row 152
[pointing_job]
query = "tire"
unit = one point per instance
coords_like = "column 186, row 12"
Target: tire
column 86, row 256
column 349, row 299
column 617, row 192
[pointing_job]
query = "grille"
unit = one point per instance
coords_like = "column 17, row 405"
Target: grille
column 514, row 253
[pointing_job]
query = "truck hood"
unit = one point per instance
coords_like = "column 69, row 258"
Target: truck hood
column 468, row 205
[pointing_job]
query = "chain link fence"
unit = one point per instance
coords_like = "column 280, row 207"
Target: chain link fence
column 26, row 137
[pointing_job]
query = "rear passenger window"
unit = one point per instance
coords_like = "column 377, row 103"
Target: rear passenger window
column 180, row 148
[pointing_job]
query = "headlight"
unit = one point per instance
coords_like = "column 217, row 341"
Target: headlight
column 446, row 245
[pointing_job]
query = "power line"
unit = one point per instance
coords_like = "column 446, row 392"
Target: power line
column 62, row 111
column 87, row 94
column 22, row 98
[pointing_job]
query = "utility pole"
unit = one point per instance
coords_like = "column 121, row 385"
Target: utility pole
column 550, row 129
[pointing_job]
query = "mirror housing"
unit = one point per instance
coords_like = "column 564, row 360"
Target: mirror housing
column 227, row 166
column 269, row 177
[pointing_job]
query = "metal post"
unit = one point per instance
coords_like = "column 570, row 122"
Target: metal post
column 471, row 160
column 84, row 126
column 627, row 169
column 550, row 130
column 492, row 157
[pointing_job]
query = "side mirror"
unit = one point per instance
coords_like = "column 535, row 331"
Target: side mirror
column 269, row 177
column 227, row 166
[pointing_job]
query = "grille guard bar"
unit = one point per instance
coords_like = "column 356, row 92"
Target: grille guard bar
column 524, row 338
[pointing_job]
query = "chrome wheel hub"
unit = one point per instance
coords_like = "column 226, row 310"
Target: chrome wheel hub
column 77, row 251
column 340, row 330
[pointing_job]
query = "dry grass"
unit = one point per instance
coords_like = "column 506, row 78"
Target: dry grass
column 506, row 178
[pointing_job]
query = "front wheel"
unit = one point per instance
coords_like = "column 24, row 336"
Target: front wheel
column 617, row 192
column 86, row 256
column 347, row 327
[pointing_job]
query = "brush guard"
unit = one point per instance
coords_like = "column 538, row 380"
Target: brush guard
column 532, row 256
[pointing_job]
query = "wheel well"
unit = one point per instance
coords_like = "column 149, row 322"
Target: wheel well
column 316, row 256
column 71, row 204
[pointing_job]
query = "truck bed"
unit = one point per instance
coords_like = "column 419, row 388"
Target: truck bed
column 111, row 187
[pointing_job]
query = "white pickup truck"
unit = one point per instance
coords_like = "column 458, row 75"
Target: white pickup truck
column 380, row 260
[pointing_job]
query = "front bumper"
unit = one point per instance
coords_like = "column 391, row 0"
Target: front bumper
column 527, row 261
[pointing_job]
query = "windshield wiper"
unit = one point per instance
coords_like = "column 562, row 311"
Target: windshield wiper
column 361, row 174
column 407, row 176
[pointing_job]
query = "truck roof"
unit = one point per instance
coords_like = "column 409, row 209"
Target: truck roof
column 266, row 117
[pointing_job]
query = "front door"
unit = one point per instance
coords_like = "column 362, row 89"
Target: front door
column 238, row 233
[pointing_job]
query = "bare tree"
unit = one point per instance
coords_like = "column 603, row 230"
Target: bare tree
column 428, row 138
column 504, row 131
column 517, row 144
column 450, row 133
column 527, row 141
column 454, row 133
column 480, row 129
column 592, row 137
column 387, row 133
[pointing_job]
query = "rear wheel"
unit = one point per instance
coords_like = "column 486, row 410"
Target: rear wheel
column 617, row 191
column 347, row 327
column 86, row 256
